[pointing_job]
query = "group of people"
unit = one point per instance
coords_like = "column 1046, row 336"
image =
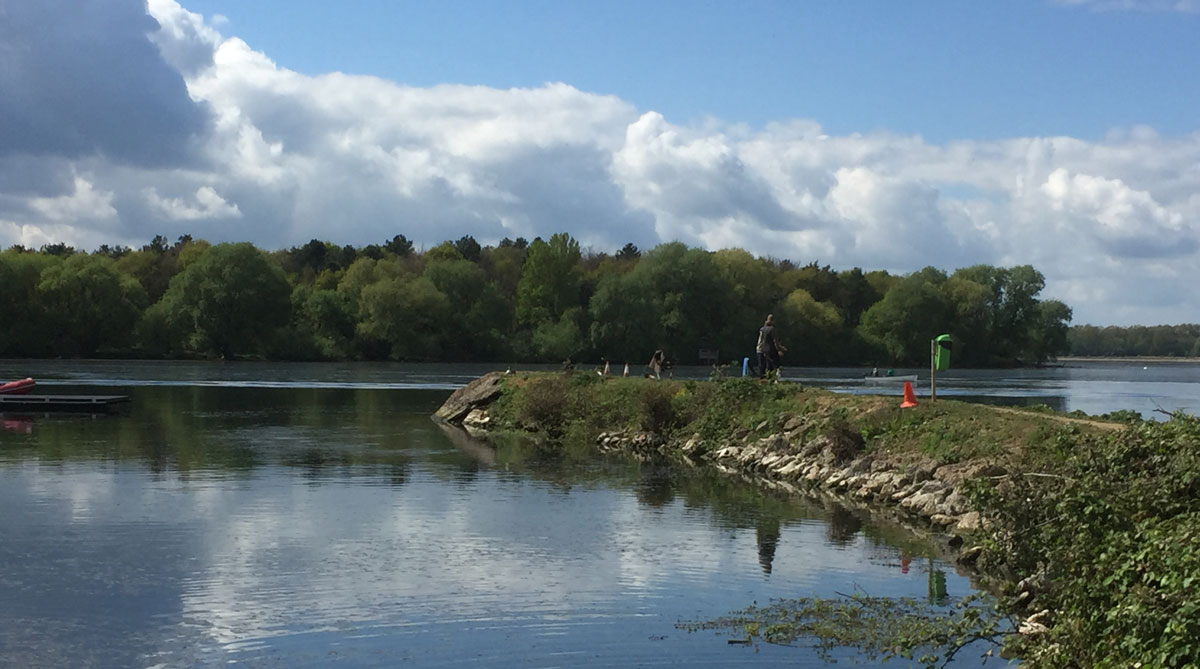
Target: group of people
column 768, row 348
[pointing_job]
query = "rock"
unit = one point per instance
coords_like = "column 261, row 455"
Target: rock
column 923, row 503
column 941, row 520
column 770, row 460
column 924, row 472
column 478, row 419
column 727, row 452
column 693, row 446
column 970, row 555
column 955, row 503
column 970, row 521
column 794, row 423
column 762, row 426
column 476, row 394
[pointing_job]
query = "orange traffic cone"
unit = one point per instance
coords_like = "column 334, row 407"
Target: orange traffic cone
column 910, row 399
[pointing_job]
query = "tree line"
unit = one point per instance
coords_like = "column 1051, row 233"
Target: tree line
column 1156, row 340
column 545, row 300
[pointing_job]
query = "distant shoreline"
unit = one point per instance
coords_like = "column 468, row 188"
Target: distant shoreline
column 1126, row 358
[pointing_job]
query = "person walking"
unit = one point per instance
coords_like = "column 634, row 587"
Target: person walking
column 769, row 349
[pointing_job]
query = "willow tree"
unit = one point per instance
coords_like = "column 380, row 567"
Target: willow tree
column 231, row 300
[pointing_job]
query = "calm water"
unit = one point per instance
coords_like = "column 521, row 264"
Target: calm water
column 307, row 515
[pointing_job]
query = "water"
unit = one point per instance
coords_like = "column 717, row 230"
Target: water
column 308, row 515
column 1092, row 387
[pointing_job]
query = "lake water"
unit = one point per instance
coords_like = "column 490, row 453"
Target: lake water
column 308, row 515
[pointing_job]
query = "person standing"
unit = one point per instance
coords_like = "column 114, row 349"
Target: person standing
column 656, row 363
column 769, row 349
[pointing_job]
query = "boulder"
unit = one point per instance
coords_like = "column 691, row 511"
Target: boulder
column 478, row 419
column 794, row 423
column 970, row 555
column 476, row 394
column 969, row 522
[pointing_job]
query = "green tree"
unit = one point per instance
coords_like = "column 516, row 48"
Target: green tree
column 478, row 316
column 810, row 329
column 503, row 266
column 406, row 313
column 322, row 326
column 675, row 298
column 399, row 245
column 972, row 320
column 1048, row 335
column 90, row 304
column 549, row 284
column 229, row 301
column 909, row 315
column 25, row 329
column 1012, row 305
column 469, row 248
column 754, row 292
column 854, row 295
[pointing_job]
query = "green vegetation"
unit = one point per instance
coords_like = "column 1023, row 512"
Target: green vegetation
column 946, row 432
column 932, row 633
column 1106, row 532
column 547, row 300
column 1156, row 340
column 1094, row 522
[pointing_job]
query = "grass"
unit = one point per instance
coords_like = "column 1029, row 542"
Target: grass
column 583, row 405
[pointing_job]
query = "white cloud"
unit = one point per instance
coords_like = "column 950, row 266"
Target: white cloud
column 282, row 157
column 85, row 204
column 1127, row 222
column 206, row 204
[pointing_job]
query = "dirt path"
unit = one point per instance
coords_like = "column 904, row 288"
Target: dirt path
column 1093, row 422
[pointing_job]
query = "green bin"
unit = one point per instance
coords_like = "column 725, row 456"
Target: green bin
column 941, row 352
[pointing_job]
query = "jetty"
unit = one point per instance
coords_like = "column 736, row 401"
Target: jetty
column 66, row 403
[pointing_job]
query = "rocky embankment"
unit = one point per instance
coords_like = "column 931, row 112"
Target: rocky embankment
column 920, row 490
column 1070, row 497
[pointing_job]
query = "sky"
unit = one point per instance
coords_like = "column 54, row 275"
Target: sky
column 1064, row 134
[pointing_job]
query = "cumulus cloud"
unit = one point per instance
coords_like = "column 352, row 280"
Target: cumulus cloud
column 248, row 150
column 1127, row 222
column 84, row 204
column 204, row 205
column 80, row 79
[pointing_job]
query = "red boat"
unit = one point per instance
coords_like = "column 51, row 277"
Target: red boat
column 21, row 387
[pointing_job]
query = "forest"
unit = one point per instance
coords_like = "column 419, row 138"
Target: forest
column 1173, row 341
column 540, row 301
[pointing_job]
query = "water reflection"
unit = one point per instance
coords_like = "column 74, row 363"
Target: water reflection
column 766, row 535
column 296, row 526
column 18, row 424
column 843, row 526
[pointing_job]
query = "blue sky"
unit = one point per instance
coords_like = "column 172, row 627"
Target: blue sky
column 944, row 70
column 1063, row 134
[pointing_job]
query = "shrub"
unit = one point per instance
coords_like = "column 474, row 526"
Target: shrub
column 544, row 403
column 656, row 413
column 1113, row 534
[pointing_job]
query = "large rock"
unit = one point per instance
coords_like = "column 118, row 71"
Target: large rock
column 475, row 395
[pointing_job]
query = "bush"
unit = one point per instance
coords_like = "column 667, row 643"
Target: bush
column 543, row 404
column 1113, row 535
column 656, row 413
